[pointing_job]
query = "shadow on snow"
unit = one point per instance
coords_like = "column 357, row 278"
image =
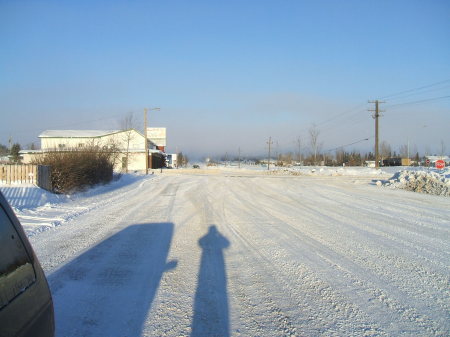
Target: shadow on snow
column 109, row 289
column 211, row 299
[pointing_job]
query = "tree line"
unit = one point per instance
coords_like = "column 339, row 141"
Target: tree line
column 310, row 152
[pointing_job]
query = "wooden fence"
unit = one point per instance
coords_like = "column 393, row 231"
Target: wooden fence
column 39, row 175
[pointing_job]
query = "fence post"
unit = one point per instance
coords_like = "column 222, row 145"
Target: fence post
column 8, row 174
column 26, row 174
column 43, row 177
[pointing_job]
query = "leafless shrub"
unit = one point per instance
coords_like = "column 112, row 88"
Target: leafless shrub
column 75, row 169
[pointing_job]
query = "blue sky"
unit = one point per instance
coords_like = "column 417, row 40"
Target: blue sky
column 228, row 74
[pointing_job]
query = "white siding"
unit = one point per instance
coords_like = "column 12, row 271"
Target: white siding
column 119, row 139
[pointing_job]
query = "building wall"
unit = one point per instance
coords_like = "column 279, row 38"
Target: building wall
column 120, row 139
column 27, row 157
column 136, row 162
column 136, row 149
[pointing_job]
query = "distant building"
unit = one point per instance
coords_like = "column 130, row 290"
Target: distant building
column 4, row 159
column 369, row 163
column 129, row 143
column 433, row 159
column 171, row 160
column 397, row 162
column 157, row 136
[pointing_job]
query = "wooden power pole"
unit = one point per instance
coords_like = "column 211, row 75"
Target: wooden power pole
column 268, row 161
column 239, row 157
column 376, row 115
column 146, row 142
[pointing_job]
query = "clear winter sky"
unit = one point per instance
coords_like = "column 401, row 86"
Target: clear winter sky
column 228, row 74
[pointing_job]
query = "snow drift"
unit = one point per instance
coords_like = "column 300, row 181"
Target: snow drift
column 429, row 182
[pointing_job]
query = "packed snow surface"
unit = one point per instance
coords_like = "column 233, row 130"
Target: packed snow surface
column 241, row 253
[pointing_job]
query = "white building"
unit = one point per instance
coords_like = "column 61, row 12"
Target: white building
column 129, row 143
column 433, row 159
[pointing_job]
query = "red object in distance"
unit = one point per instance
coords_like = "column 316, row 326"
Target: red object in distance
column 440, row 164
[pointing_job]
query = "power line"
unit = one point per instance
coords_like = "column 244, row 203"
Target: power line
column 415, row 89
column 409, row 92
column 419, row 101
column 445, row 87
column 342, row 114
column 356, row 118
column 342, row 146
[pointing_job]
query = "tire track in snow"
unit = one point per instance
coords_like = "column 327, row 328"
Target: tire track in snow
column 325, row 309
column 332, row 255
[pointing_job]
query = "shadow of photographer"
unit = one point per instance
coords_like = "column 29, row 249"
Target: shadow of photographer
column 211, row 299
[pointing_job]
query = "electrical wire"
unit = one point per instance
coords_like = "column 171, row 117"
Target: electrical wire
column 445, row 87
column 416, row 102
column 415, row 89
column 342, row 146
column 342, row 114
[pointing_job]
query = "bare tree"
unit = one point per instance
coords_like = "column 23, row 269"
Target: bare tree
column 127, row 124
column 299, row 154
column 31, row 146
column 340, row 156
column 404, row 151
column 314, row 141
column 442, row 148
column 182, row 160
column 385, row 150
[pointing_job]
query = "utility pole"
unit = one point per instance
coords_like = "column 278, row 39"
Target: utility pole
column 375, row 116
column 277, row 158
column 408, row 151
column 299, row 141
column 270, row 143
column 146, row 141
column 239, row 157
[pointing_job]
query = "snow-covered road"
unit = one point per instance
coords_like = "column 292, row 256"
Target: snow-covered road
column 227, row 254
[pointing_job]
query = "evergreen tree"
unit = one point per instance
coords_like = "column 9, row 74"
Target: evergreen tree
column 3, row 150
column 15, row 157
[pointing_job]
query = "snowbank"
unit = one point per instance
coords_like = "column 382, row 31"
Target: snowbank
column 39, row 210
column 328, row 171
column 429, row 182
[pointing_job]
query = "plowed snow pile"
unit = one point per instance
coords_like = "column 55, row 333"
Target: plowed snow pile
column 429, row 182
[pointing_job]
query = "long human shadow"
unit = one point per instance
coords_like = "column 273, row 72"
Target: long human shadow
column 109, row 289
column 211, row 299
